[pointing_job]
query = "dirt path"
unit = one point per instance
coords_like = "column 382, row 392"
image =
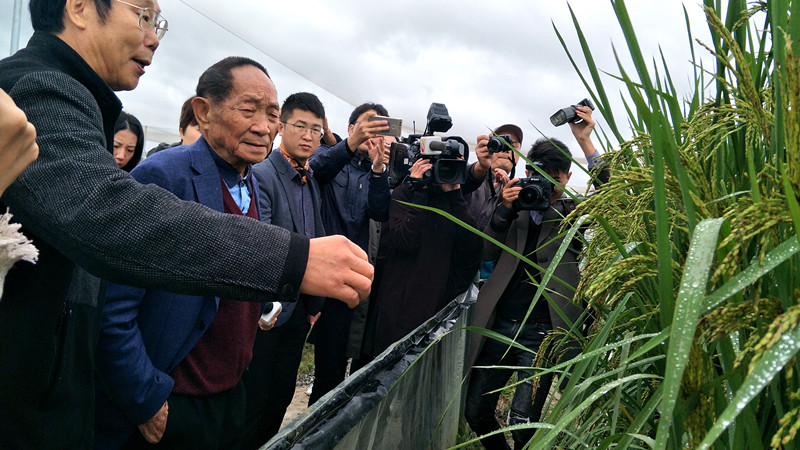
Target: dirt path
column 298, row 406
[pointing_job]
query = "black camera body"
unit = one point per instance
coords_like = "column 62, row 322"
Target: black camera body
column 499, row 143
column 535, row 194
column 569, row 114
column 445, row 155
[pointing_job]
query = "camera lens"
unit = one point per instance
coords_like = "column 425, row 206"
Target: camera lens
column 447, row 173
column 494, row 145
column 529, row 195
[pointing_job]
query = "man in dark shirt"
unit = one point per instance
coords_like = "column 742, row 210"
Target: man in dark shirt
column 355, row 189
column 290, row 198
column 505, row 300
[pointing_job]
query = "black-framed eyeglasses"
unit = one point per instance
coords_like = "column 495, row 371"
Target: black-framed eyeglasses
column 302, row 127
column 150, row 20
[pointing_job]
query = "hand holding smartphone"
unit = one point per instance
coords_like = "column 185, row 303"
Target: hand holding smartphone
column 269, row 318
column 395, row 125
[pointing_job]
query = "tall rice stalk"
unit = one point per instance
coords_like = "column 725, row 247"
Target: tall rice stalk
column 693, row 270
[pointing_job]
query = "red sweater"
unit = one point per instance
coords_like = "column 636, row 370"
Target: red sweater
column 221, row 356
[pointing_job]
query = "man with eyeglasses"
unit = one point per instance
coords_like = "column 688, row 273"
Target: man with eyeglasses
column 290, row 198
column 91, row 220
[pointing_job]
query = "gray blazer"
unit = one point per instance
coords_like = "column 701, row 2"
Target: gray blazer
column 279, row 207
column 91, row 220
column 514, row 235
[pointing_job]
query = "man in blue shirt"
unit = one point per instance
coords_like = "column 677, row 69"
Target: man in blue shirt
column 176, row 359
column 354, row 182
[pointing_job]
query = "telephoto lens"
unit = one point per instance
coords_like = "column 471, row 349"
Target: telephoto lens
column 569, row 114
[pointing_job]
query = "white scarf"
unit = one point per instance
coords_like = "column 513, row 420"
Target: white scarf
column 13, row 247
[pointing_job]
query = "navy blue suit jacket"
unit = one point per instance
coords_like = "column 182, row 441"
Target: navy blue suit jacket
column 147, row 332
column 280, row 208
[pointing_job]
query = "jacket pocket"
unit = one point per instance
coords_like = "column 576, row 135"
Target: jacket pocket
column 57, row 359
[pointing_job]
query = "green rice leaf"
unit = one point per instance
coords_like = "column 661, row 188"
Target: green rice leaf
column 765, row 371
column 690, row 299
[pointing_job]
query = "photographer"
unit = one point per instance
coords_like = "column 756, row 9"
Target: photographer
column 354, row 187
column 505, row 299
column 425, row 259
column 483, row 199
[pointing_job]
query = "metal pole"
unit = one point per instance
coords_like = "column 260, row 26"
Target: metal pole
column 16, row 21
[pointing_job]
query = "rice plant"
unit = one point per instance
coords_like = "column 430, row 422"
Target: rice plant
column 692, row 271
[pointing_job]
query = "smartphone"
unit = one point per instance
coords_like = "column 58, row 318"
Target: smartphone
column 269, row 316
column 395, row 125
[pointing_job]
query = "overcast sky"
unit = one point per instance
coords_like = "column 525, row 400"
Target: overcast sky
column 489, row 62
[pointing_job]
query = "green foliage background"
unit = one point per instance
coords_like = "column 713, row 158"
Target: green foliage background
column 692, row 271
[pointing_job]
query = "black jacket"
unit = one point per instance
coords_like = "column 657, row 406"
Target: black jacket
column 91, row 220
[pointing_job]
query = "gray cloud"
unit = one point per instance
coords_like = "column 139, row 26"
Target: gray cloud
column 489, row 62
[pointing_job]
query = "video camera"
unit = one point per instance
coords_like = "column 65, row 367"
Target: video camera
column 535, row 194
column 445, row 155
column 569, row 113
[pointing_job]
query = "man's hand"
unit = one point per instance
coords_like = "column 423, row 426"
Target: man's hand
column 313, row 319
column 337, row 268
column 264, row 326
column 501, row 176
column 375, row 151
column 327, row 135
column 18, row 146
column 419, row 168
column 485, row 158
column 363, row 129
column 583, row 130
column 387, row 148
column 510, row 193
column 153, row 429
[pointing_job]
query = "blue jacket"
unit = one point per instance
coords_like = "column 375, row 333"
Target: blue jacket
column 351, row 195
column 279, row 207
column 147, row 332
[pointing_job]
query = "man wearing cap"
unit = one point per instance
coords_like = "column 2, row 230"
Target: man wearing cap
column 508, row 303
column 483, row 198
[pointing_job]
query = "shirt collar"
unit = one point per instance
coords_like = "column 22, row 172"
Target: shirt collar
column 227, row 172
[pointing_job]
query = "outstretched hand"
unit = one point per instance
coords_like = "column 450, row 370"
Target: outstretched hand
column 18, row 146
column 337, row 268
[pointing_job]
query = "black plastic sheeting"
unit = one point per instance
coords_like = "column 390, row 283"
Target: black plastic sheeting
column 408, row 397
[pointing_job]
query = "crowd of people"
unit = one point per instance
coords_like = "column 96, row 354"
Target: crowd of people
column 141, row 324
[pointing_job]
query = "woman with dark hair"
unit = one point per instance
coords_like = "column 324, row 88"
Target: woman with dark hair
column 128, row 141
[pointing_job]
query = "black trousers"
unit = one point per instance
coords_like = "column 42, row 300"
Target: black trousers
column 330, row 336
column 213, row 421
column 270, row 379
column 526, row 407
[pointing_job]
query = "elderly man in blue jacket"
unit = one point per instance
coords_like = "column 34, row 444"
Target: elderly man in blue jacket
column 171, row 364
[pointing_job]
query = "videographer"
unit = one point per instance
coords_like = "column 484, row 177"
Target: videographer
column 530, row 226
column 425, row 259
